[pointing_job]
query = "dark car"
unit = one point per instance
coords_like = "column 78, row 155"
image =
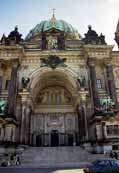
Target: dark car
column 103, row 166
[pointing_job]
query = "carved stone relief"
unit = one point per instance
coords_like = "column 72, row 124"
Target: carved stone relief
column 53, row 95
column 54, row 121
column 70, row 122
column 45, row 123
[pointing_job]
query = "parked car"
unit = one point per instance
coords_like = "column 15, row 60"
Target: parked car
column 103, row 166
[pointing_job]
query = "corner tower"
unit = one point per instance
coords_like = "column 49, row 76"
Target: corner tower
column 117, row 34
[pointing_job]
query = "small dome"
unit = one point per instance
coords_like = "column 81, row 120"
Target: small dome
column 53, row 23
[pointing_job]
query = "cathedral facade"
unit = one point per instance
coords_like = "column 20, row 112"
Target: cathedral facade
column 58, row 88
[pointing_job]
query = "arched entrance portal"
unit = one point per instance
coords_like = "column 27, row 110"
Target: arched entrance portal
column 55, row 120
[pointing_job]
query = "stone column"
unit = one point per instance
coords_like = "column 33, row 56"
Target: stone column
column 83, row 113
column 111, row 83
column 2, row 132
column 23, row 128
column 66, row 139
column 59, row 137
column 26, row 118
column 18, row 117
column 82, row 122
column 74, row 139
column 0, row 84
column 1, row 76
column 34, row 140
column 93, row 85
column 12, row 92
column 49, row 139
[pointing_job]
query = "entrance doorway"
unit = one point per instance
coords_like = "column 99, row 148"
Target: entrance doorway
column 70, row 140
column 54, row 138
column 38, row 141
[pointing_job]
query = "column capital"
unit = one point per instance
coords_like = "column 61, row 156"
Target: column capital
column 107, row 62
column 26, row 99
column 91, row 61
column 24, row 95
column 83, row 95
column 15, row 63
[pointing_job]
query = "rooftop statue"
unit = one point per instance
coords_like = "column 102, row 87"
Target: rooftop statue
column 117, row 40
column 15, row 36
column 4, row 40
column 101, row 39
column 91, row 37
column 117, row 34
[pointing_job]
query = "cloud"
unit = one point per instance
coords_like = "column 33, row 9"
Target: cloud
column 101, row 14
column 113, row 1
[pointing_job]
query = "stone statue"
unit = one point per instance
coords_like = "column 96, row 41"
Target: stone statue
column 102, row 39
column 53, row 61
column 15, row 36
column 4, row 40
column 3, row 107
column 107, row 104
column 82, row 81
column 91, row 37
column 25, row 81
column 52, row 43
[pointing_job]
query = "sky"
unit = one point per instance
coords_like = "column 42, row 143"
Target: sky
column 102, row 15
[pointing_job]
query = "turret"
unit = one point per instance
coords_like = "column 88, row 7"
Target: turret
column 117, row 34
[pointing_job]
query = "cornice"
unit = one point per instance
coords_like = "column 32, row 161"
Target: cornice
column 11, row 52
column 98, row 51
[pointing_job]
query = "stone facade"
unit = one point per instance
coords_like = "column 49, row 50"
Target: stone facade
column 56, row 100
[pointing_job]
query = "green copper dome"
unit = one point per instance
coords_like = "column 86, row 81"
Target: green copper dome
column 53, row 23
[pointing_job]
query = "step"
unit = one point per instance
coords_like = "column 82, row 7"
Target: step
column 57, row 156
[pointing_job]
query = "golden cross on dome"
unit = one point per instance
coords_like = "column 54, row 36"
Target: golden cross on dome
column 53, row 10
column 53, row 19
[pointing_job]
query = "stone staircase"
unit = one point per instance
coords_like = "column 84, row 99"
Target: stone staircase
column 57, row 157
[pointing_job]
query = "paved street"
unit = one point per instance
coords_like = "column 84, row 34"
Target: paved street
column 38, row 170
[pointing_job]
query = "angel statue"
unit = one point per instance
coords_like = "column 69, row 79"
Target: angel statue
column 25, row 81
column 3, row 107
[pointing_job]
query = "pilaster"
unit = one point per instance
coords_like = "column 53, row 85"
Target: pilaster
column 93, row 85
column 111, row 83
column 26, row 117
column 83, row 97
column 12, row 93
